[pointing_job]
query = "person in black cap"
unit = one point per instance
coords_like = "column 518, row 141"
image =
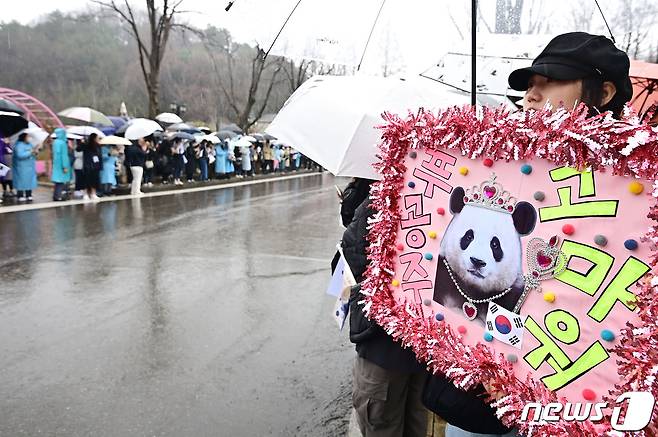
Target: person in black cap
column 573, row 68
column 576, row 67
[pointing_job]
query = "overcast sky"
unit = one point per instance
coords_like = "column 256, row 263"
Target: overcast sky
column 414, row 33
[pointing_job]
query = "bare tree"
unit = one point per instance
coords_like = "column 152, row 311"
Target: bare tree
column 246, row 92
column 297, row 73
column 152, row 46
column 508, row 16
column 636, row 20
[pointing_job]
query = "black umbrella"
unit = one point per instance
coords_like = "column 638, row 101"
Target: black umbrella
column 9, row 106
column 10, row 123
column 183, row 127
column 233, row 128
column 225, row 134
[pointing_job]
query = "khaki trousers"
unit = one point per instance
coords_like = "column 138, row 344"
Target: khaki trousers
column 388, row 403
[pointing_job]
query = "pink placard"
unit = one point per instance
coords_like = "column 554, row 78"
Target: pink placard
column 513, row 256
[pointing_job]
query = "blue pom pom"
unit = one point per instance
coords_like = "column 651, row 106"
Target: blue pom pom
column 411, row 184
column 488, row 336
column 438, row 316
column 428, row 256
column 526, row 169
column 512, row 358
column 607, row 335
column 630, row 244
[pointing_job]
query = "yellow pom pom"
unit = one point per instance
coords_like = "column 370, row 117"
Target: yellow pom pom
column 431, row 234
column 463, row 170
column 549, row 297
column 635, row 187
column 395, row 283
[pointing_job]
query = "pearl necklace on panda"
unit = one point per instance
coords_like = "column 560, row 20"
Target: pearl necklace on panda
column 468, row 308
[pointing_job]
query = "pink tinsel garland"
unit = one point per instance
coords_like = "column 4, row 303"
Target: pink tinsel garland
column 625, row 147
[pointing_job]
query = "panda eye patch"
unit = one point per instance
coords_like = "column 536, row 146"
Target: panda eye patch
column 468, row 237
column 496, row 250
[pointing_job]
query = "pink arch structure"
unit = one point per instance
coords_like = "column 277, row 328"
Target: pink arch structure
column 35, row 110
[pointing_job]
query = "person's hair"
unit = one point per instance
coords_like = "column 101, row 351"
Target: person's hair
column 592, row 93
column 93, row 140
column 23, row 137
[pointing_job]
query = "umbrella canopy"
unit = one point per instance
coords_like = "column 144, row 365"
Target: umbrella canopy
column 10, row 123
column 113, row 140
column 141, row 127
column 118, row 122
column 184, row 127
column 249, row 138
column 269, row 137
column 9, row 106
column 205, row 129
column 168, row 118
column 211, row 138
column 233, row 128
column 225, row 134
column 259, row 137
column 342, row 137
column 85, row 131
column 34, row 132
column 180, row 136
column 69, row 136
column 87, row 115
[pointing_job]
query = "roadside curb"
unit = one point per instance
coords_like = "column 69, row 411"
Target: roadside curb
column 155, row 193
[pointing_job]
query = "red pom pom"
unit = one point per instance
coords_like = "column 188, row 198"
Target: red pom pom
column 568, row 229
column 488, row 162
column 589, row 395
column 461, row 329
column 399, row 247
column 440, row 211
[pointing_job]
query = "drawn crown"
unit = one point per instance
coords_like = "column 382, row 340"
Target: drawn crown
column 491, row 195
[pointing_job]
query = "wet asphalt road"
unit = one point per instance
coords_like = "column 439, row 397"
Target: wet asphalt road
column 196, row 314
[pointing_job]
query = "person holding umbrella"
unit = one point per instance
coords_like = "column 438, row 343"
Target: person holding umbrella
column 24, row 168
column 92, row 163
column 61, row 166
column 6, row 160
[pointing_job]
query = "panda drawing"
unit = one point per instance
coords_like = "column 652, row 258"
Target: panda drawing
column 480, row 254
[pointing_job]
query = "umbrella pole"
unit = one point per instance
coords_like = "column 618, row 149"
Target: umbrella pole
column 266, row 54
column 370, row 35
column 474, row 13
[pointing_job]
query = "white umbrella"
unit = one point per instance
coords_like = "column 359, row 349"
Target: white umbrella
column 332, row 119
column 141, row 127
column 85, row 131
column 169, row 118
column 113, row 140
column 249, row 138
column 85, row 114
column 69, row 136
column 211, row 138
column 33, row 131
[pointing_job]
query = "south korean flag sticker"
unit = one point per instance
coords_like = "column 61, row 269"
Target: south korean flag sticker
column 505, row 325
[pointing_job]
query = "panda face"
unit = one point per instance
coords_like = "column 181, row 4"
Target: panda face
column 483, row 249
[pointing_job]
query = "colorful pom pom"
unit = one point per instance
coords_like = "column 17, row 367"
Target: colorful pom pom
column 395, row 282
column 549, row 297
column 440, row 211
column 411, row 184
column 463, row 171
column 427, row 302
column 431, row 234
column 399, row 247
column 607, row 335
column 526, row 169
column 461, row 329
column 630, row 244
column 635, row 187
column 439, row 317
column 539, row 196
column 568, row 229
column 412, row 155
column 488, row 162
column 589, row 395
column 512, row 358
column 429, row 256
column 600, row 240
column 488, row 337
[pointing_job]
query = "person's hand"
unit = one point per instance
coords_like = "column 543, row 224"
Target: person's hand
column 493, row 392
column 66, row 170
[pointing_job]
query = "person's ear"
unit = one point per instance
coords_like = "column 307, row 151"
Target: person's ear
column 609, row 91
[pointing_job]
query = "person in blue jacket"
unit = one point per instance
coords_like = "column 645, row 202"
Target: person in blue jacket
column 230, row 159
column 221, row 159
column 24, row 167
column 108, row 172
column 61, row 164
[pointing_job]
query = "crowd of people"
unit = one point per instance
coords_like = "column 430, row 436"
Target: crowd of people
column 85, row 168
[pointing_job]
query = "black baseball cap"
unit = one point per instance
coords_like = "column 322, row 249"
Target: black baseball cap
column 578, row 55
